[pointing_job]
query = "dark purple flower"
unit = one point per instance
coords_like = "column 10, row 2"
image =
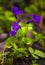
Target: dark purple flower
column 16, row 13
column 12, row 33
column 14, row 9
column 15, row 26
column 36, row 18
column 21, row 12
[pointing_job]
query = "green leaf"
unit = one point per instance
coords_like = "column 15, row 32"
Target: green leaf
column 15, row 47
column 19, row 55
column 20, row 34
column 34, row 62
column 39, row 36
column 9, row 16
column 27, row 40
column 36, row 57
column 8, row 13
column 10, row 41
column 26, row 54
column 39, row 53
column 22, row 24
column 29, row 27
column 23, row 29
column 31, row 50
column 22, row 49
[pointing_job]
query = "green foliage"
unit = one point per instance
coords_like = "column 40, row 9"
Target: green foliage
column 41, row 39
column 9, row 16
column 39, row 36
column 37, row 7
column 0, row 55
column 25, row 28
column 41, row 6
column 36, row 53
column 27, row 40
column 42, row 43
column 10, row 41
column 31, row 50
column 40, row 53
column 6, row 19
column 18, row 42
column 31, row 9
column 35, row 56
column 34, row 62
column 40, row 3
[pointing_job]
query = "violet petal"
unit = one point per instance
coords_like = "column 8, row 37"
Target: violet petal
column 14, row 9
column 36, row 18
column 12, row 33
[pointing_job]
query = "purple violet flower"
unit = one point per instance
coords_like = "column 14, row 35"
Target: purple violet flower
column 36, row 18
column 21, row 12
column 12, row 33
column 15, row 26
column 16, row 11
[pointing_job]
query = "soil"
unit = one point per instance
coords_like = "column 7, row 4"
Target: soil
column 27, row 61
